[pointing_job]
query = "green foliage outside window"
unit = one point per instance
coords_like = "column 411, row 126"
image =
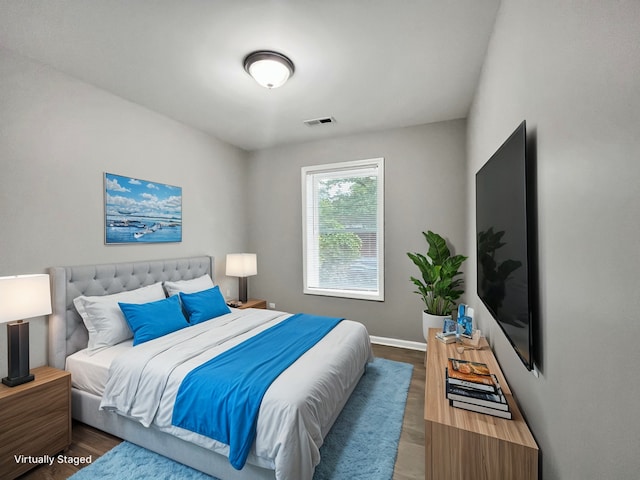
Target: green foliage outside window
column 347, row 205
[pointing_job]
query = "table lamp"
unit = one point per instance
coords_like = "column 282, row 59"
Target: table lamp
column 21, row 297
column 242, row 265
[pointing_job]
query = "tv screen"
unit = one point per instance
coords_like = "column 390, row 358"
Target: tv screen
column 504, row 242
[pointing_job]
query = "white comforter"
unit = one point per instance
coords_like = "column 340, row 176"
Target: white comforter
column 296, row 412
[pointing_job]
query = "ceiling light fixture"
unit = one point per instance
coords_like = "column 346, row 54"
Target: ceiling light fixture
column 269, row 69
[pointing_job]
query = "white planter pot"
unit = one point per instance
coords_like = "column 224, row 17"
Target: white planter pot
column 431, row 321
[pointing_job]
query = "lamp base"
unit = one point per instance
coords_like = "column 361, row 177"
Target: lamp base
column 14, row 382
column 18, row 358
column 242, row 289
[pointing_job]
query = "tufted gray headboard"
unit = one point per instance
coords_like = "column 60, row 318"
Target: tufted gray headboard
column 67, row 333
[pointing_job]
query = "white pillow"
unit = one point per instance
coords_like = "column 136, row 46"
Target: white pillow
column 189, row 286
column 104, row 319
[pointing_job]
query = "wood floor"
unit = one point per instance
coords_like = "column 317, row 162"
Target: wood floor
column 409, row 464
column 410, row 461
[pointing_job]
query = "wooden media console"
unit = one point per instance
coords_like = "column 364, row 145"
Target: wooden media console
column 465, row 445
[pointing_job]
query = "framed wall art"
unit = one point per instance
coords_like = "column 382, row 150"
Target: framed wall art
column 141, row 211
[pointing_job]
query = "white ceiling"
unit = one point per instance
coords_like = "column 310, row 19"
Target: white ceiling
column 371, row 64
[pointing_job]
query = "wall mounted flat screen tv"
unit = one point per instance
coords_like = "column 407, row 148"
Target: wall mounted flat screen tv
column 505, row 241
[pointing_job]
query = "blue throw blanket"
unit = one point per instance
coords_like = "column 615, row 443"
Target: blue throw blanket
column 221, row 398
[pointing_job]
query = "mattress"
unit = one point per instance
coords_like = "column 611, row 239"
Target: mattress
column 89, row 373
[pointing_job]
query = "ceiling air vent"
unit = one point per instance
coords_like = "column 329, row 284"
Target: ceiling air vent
column 319, row 121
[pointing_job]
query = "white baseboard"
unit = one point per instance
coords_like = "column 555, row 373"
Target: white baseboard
column 396, row 342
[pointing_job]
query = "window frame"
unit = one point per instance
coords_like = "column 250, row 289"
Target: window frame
column 309, row 201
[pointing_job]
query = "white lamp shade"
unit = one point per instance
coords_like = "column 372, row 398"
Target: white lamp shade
column 270, row 69
column 269, row 73
column 24, row 296
column 242, row 264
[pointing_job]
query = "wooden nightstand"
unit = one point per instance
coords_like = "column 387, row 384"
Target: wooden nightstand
column 35, row 420
column 254, row 303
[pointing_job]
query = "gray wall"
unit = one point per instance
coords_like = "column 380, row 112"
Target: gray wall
column 571, row 69
column 424, row 189
column 57, row 138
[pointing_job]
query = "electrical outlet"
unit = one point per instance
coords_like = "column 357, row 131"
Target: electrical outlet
column 272, row 306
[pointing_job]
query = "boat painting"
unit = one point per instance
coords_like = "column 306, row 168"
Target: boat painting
column 140, row 211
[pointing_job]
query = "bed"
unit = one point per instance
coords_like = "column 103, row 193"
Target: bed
column 345, row 350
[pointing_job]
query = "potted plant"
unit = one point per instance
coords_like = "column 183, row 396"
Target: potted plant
column 439, row 287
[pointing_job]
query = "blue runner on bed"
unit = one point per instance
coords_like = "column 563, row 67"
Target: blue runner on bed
column 221, row 398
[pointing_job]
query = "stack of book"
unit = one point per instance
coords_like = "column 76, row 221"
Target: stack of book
column 471, row 386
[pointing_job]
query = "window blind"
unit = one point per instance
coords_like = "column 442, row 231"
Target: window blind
column 343, row 240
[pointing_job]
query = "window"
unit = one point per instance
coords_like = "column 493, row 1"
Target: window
column 343, row 229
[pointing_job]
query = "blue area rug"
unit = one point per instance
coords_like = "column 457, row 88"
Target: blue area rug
column 362, row 445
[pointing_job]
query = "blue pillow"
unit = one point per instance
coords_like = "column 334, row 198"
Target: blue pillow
column 154, row 319
column 204, row 305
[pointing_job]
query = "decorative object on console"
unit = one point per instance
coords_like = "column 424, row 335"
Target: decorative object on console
column 464, row 321
column 449, row 331
column 450, row 327
column 270, row 69
column 140, row 211
column 242, row 265
column 472, row 343
column 21, row 297
column 439, row 287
